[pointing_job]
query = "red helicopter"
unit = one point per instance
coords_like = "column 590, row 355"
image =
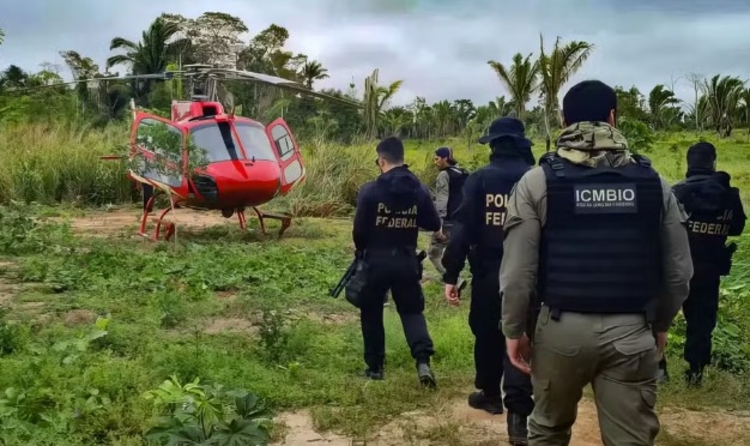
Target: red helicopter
column 206, row 158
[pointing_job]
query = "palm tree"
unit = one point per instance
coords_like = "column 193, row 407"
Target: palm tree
column 555, row 70
column 376, row 97
column 723, row 95
column 151, row 54
column 520, row 80
column 84, row 68
column 660, row 101
column 394, row 120
column 2, row 36
column 745, row 97
column 312, row 71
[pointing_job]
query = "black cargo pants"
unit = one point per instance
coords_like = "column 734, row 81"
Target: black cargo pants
column 700, row 310
column 490, row 358
column 399, row 271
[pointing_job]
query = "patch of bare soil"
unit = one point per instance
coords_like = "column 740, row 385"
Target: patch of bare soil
column 221, row 325
column 715, row 427
column 79, row 317
column 124, row 221
column 10, row 288
column 325, row 318
column 300, row 431
column 226, row 296
column 456, row 423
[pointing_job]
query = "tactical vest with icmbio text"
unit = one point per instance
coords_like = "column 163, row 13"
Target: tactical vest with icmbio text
column 601, row 246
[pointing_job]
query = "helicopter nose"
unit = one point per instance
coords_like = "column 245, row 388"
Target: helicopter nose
column 245, row 183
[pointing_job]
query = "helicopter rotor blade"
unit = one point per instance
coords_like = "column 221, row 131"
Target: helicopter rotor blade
column 286, row 84
column 167, row 75
column 202, row 71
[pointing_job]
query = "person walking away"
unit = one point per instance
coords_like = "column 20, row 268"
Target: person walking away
column 601, row 238
column 390, row 211
column 448, row 195
column 715, row 212
column 478, row 234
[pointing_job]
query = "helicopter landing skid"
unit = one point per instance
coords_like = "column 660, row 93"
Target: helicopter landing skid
column 286, row 220
column 168, row 226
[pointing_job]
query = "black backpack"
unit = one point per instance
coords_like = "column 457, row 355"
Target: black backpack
column 457, row 176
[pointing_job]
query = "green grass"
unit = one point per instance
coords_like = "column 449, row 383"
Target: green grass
column 160, row 299
column 246, row 311
column 58, row 164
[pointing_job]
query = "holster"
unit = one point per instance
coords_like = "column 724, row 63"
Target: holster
column 478, row 262
column 358, row 282
column 535, row 307
column 420, row 267
column 724, row 265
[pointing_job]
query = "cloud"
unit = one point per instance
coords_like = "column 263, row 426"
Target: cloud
column 439, row 48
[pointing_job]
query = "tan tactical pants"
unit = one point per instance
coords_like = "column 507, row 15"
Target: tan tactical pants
column 437, row 246
column 617, row 354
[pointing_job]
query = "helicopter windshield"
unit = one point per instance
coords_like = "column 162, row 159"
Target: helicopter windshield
column 255, row 141
column 220, row 143
column 217, row 140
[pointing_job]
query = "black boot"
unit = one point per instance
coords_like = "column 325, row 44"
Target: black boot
column 426, row 377
column 518, row 432
column 480, row 401
column 694, row 376
column 374, row 373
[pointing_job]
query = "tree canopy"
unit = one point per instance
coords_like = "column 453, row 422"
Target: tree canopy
column 721, row 101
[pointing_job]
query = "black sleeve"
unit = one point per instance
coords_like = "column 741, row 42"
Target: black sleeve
column 737, row 224
column 364, row 220
column 427, row 214
column 463, row 234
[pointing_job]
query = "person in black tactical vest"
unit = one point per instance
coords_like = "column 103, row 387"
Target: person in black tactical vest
column 390, row 211
column 715, row 211
column 448, row 193
column 600, row 238
column 478, row 234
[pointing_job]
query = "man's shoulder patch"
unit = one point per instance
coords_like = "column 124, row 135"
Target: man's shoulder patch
column 606, row 198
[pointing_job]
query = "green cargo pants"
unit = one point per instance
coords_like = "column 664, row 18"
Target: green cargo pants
column 616, row 354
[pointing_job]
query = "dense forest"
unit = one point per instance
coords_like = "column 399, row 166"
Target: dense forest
column 721, row 103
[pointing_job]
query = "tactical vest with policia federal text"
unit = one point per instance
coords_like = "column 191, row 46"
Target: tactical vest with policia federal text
column 601, row 245
column 708, row 199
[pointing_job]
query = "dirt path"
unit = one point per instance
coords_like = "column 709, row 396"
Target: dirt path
column 125, row 221
column 456, row 424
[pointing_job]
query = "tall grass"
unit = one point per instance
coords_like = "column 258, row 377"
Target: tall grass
column 60, row 163
column 49, row 164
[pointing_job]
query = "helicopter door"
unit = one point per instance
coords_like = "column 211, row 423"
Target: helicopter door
column 287, row 151
column 157, row 149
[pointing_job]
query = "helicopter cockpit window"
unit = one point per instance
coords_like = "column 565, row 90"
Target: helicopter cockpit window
column 255, row 141
column 283, row 142
column 165, row 141
column 217, row 140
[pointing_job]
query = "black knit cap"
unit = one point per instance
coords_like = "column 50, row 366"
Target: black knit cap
column 701, row 155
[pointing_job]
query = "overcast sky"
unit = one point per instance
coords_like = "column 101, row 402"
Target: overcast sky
column 440, row 48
